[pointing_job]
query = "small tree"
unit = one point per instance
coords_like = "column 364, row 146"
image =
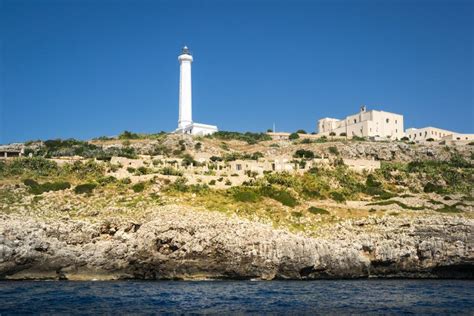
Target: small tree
column 333, row 150
column 301, row 131
column 302, row 153
column 294, row 136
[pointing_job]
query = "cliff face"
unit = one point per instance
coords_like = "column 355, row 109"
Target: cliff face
column 185, row 244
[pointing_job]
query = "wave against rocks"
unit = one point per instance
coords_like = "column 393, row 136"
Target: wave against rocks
column 175, row 243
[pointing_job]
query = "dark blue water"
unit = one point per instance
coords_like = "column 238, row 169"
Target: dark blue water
column 217, row 297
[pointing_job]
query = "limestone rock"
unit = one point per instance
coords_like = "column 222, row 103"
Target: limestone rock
column 177, row 243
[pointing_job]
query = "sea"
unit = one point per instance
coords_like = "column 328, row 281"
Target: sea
column 323, row 297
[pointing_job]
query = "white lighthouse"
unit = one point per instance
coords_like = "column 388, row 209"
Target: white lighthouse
column 185, row 120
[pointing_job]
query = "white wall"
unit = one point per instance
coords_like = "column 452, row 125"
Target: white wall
column 365, row 124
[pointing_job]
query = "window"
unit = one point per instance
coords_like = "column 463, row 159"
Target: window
column 396, row 122
column 238, row 167
column 387, row 120
column 355, row 121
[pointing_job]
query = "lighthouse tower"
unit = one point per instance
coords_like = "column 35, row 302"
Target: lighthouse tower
column 185, row 93
column 185, row 120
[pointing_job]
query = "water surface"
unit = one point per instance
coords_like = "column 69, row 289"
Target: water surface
column 215, row 297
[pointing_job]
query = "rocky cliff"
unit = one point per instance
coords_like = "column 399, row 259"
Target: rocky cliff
column 178, row 243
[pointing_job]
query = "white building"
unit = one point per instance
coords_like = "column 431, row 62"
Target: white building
column 433, row 133
column 185, row 121
column 364, row 124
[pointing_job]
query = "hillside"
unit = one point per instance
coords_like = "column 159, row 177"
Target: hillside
column 176, row 206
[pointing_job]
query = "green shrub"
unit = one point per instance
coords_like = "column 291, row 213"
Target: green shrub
column 401, row 204
column 297, row 215
column 228, row 182
column 215, row 158
column 302, row 153
column 86, row 188
column 293, row 136
column 338, row 196
column 317, row 210
column 250, row 138
column 282, row 178
column 138, row 187
column 33, row 166
column 431, row 187
column 212, row 182
column 169, row 171
column 180, row 185
column 343, row 134
column 241, row 194
column 333, row 150
column 142, row 170
column 131, row 170
column 275, row 145
column 256, row 155
column 281, row 196
column 322, row 139
column 332, row 134
column 37, row 188
column 128, row 135
column 30, row 182
column 435, row 202
column 371, row 182
column 106, row 180
column 188, row 160
column 448, row 209
column 301, row 131
column 84, row 170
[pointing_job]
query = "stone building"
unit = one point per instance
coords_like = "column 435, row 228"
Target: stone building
column 433, row 133
column 371, row 123
column 12, row 150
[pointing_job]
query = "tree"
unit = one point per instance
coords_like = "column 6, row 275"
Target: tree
column 302, row 153
column 332, row 134
column 294, row 136
column 301, row 131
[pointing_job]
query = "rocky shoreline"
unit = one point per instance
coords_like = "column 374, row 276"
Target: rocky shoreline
column 177, row 243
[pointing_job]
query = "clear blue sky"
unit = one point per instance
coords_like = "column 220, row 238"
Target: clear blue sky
column 83, row 69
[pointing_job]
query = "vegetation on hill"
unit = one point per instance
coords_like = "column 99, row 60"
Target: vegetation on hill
column 72, row 147
column 250, row 138
column 283, row 198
